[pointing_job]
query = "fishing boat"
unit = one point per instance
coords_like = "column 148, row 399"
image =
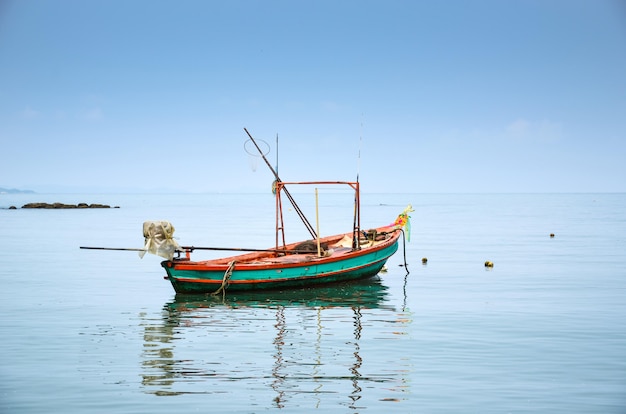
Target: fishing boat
column 356, row 254
column 288, row 266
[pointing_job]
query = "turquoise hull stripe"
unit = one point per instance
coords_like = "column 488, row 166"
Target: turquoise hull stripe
column 193, row 281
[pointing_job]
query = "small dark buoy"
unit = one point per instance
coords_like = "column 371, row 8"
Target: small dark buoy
column 551, row 235
column 488, row 264
column 424, row 260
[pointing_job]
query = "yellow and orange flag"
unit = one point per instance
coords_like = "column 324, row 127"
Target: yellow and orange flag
column 404, row 220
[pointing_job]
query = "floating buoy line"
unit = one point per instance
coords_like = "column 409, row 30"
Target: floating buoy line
column 488, row 263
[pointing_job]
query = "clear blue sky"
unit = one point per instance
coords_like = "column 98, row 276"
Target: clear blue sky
column 437, row 96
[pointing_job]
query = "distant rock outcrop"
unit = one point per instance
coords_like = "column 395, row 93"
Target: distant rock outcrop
column 64, row 206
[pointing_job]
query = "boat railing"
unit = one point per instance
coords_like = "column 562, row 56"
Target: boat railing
column 279, row 186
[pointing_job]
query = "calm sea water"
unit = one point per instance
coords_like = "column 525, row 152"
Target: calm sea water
column 543, row 331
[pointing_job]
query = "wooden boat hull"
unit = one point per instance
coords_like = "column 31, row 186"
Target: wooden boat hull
column 256, row 271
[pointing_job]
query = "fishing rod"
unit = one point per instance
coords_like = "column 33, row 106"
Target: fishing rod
column 192, row 248
column 308, row 225
column 114, row 248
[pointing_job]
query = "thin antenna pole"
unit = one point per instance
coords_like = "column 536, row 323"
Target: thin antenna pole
column 356, row 223
column 277, row 154
column 358, row 166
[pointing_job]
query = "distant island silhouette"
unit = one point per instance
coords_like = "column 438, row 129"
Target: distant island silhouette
column 63, row 205
column 45, row 205
column 15, row 191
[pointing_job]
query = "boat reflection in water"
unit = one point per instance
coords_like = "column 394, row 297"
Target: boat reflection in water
column 273, row 347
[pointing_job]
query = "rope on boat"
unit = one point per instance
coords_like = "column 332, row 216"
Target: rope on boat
column 227, row 275
column 404, row 251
